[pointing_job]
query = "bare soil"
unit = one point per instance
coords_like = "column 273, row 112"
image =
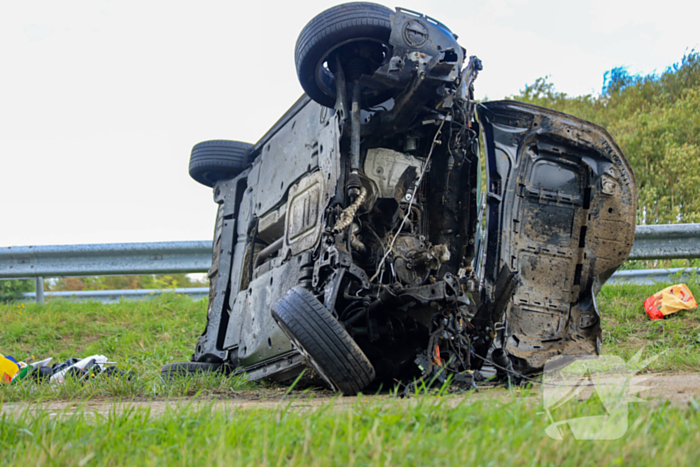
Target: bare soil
column 678, row 389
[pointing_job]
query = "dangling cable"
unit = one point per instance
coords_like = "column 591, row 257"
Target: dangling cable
column 410, row 203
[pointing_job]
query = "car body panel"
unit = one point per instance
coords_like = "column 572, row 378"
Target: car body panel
column 562, row 205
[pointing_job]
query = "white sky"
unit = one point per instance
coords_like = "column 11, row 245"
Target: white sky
column 101, row 101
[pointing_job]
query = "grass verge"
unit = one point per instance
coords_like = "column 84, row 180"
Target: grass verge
column 627, row 328
column 143, row 336
column 139, row 336
column 425, row 430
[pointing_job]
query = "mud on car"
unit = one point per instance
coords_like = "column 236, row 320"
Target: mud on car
column 358, row 239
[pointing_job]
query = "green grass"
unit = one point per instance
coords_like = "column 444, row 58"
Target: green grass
column 143, row 336
column 661, row 263
column 140, row 336
column 505, row 427
column 627, row 328
column 425, row 430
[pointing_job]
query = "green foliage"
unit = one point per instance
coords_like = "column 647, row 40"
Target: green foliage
column 13, row 289
column 166, row 281
column 655, row 119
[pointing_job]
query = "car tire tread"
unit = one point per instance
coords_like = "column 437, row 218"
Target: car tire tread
column 215, row 160
column 330, row 28
column 313, row 327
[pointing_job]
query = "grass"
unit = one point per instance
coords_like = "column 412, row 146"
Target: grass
column 627, row 328
column 661, row 263
column 424, row 430
column 140, row 336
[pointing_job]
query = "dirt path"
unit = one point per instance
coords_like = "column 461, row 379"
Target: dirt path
column 678, row 389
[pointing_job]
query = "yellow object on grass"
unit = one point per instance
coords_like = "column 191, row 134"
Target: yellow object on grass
column 670, row 300
column 8, row 368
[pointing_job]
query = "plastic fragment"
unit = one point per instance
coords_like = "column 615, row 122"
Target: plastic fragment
column 669, row 300
column 12, row 371
column 8, row 368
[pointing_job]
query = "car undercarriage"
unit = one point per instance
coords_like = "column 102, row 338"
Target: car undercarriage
column 364, row 239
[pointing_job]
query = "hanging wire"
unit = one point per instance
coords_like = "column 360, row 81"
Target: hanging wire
column 380, row 267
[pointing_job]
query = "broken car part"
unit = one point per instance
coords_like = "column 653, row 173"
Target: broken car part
column 351, row 240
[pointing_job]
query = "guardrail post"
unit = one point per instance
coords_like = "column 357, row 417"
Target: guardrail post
column 40, row 290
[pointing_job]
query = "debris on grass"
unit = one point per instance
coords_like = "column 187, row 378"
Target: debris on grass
column 80, row 369
column 669, row 300
column 9, row 367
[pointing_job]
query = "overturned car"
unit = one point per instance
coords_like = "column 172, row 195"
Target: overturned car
column 359, row 238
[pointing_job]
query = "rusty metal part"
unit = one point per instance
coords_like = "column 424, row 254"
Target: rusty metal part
column 568, row 226
column 354, row 241
column 432, row 258
column 411, row 201
column 268, row 251
column 348, row 214
column 404, row 247
column 355, row 128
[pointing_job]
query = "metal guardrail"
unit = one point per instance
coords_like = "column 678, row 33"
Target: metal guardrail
column 666, row 241
column 650, row 242
column 636, row 276
column 653, row 276
column 109, row 296
column 104, row 259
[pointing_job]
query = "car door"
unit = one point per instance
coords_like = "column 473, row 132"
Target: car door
column 561, row 207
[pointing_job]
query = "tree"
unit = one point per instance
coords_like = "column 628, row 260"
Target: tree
column 14, row 288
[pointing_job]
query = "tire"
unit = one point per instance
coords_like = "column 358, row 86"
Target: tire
column 320, row 336
column 213, row 273
column 329, row 30
column 216, row 160
column 179, row 369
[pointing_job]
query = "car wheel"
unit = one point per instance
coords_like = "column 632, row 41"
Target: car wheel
column 179, row 369
column 216, row 160
column 351, row 26
column 321, row 338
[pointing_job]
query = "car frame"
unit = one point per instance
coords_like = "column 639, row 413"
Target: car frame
column 355, row 240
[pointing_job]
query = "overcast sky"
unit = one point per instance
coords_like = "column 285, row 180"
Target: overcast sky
column 101, row 101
